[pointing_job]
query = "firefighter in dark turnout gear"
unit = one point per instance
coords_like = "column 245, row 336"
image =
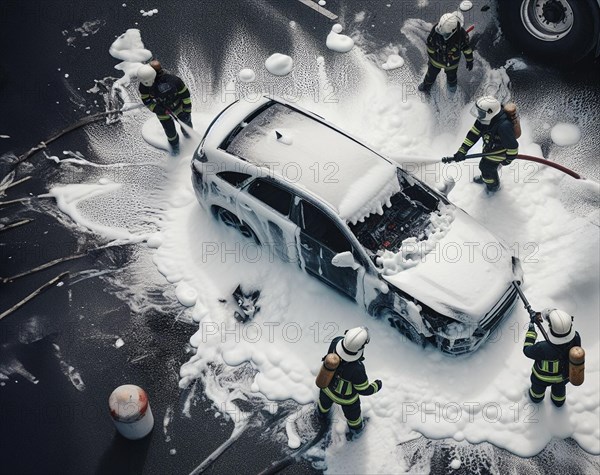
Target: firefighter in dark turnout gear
column 496, row 129
column 447, row 40
column 551, row 367
column 350, row 380
column 166, row 95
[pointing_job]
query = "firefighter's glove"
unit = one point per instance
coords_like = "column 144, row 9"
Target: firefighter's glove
column 379, row 384
column 469, row 65
column 459, row 157
column 506, row 161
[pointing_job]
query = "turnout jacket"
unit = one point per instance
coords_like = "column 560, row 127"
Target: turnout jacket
column 551, row 364
column 167, row 92
column 350, row 380
column 446, row 54
column 498, row 138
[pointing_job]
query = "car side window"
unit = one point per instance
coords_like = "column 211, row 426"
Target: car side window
column 233, row 178
column 320, row 227
column 272, row 195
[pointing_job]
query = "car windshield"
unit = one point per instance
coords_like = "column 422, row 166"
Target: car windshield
column 408, row 216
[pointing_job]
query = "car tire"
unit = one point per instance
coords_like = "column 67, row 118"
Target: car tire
column 559, row 42
column 248, row 232
column 231, row 220
column 400, row 323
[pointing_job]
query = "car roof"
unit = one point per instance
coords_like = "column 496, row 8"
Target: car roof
column 312, row 154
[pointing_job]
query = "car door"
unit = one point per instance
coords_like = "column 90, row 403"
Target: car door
column 320, row 239
column 266, row 206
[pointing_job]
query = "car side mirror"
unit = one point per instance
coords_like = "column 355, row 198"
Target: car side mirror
column 345, row 259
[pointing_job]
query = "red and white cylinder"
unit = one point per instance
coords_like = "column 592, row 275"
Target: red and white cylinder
column 130, row 411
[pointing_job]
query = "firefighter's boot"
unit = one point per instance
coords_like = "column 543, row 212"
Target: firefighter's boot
column 424, row 87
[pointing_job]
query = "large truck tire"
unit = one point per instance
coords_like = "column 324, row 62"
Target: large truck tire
column 555, row 31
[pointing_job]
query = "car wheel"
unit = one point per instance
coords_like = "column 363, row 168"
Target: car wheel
column 398, row 322
column 227, row 218
column 231, row 220
column 248, row 232
column 560, row 31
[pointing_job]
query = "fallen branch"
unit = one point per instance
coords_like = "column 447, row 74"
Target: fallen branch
column 15, row 224
column 33, row 294
column 42, row 267
column 18, row 182
column 12, row 202
column 60, row 260
column 238, row 431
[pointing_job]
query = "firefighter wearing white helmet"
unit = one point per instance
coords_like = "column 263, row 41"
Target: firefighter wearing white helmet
column 500, row 144
column 445, row 43
column 166, row 95
column 551, row 366
column 350, row 380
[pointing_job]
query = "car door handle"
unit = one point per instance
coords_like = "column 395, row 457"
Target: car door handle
column 245, row 206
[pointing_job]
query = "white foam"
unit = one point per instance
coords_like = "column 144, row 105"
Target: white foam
column 186, row 294
column 466, row 5
column 279, row 64
column 68, row 198
column 564, row 134
column 337, row 42
column 130, row 49
column 247, row 75
column 393, row 61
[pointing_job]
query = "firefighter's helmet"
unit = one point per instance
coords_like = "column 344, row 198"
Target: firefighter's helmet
column 146, row 75
column 460, row 17
column 560, row 324
column 448, row 25
column 486, row 108
column 351, row 347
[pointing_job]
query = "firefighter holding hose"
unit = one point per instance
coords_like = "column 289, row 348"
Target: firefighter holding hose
column 167, row 96
column 500, row 144
column 347, row 381
column 552, row 357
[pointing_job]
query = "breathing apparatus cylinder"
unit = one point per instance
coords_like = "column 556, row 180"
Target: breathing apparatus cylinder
column 511, row 112
column 576, row 365
column 328, row 368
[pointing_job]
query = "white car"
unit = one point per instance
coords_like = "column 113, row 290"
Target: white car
column 328, row 204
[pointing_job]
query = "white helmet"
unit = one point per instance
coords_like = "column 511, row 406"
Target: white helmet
column 460, row 17
column 486, row 108
column 561, row 325
column 146, row 75
column 350, row 348
column 447, row 25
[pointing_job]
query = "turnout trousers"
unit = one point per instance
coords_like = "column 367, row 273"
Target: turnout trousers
column 351, row 411
column 489, row 172
column 538, row 391
column 168, row 124
column 433, row 71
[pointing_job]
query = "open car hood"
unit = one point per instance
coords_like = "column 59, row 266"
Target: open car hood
column 463, row 276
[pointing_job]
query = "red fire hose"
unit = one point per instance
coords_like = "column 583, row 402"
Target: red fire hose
column 551, row 164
